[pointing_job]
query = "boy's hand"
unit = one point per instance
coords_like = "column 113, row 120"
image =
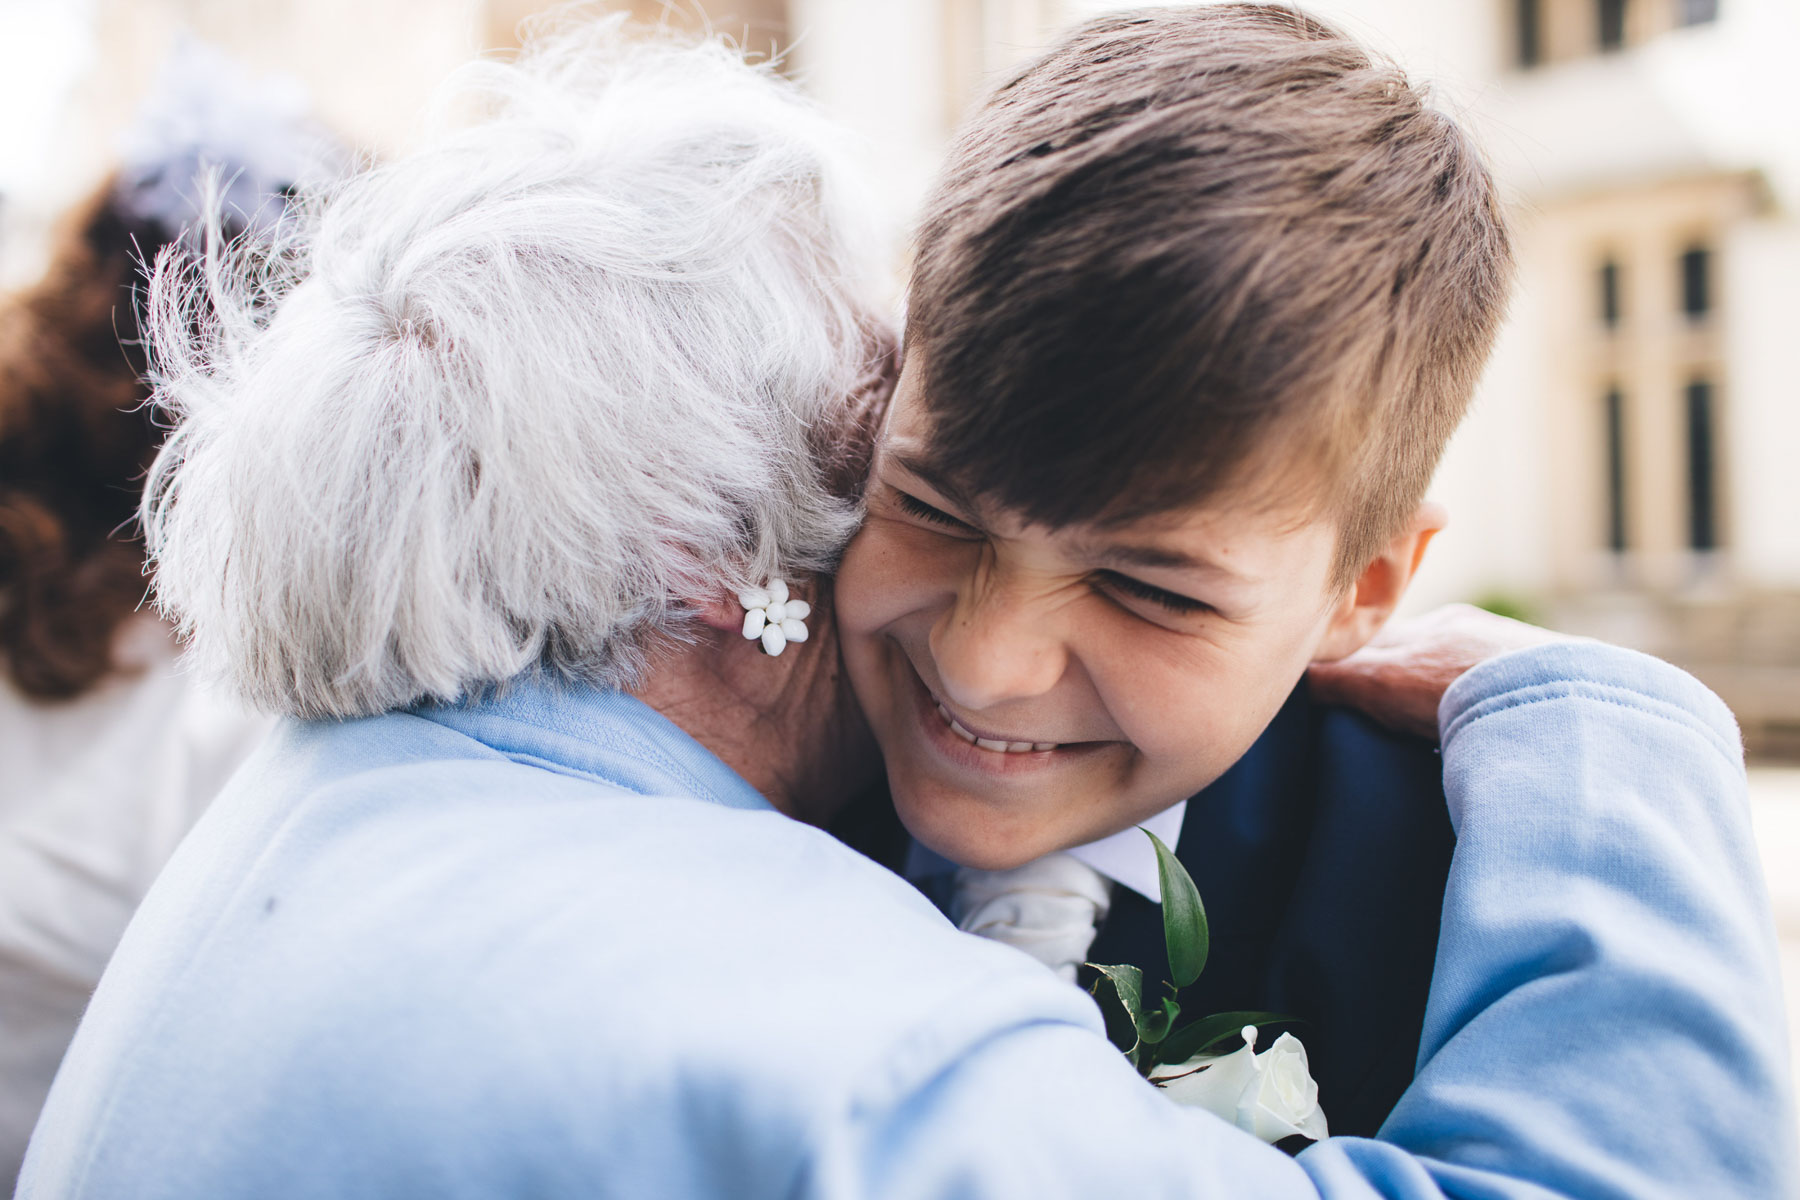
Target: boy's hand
column 1399, row 677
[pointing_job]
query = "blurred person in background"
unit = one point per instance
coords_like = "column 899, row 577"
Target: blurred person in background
column 108, row 753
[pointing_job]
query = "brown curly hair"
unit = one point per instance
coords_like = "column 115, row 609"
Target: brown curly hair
column 75, row 439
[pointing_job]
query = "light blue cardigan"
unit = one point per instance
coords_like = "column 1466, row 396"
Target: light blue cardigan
column 547, row 945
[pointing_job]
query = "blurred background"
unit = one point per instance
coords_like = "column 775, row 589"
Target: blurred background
column 1630, row 469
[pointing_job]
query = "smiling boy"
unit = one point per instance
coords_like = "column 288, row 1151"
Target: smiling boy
column 1199, row 299
column 1040, row 687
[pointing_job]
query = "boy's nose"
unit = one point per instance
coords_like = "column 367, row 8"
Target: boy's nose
column 995, row 644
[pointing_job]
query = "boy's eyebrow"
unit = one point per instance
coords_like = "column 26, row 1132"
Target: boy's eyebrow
column 946, row 487
column 1147, row 556
column 1162, row 558
column 1115, row 554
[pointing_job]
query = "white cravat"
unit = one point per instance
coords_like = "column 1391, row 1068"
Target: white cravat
column 1051, row 907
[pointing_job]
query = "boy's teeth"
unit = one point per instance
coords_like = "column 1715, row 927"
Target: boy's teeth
column 957, row 729
column 990, row 743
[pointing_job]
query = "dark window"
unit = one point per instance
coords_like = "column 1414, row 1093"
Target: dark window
column 1615, row 471
column 1703, row 512
column 1612, row 24
column 1696, row 12
column 1609, row 293
column 1530, row 31
column 1696, row 282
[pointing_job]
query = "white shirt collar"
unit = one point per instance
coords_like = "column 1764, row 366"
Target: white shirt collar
column 1128, row 857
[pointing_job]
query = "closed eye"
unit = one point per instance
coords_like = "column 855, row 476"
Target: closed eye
column 913, row 506
column 1173, row 601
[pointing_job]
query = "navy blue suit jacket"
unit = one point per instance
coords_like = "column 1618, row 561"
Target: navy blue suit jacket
column 1321, row 856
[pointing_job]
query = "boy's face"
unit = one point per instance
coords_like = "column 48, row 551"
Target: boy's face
column 1124, row 668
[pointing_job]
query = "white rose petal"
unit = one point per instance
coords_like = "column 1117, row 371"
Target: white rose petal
column 1271, row 1095
column 1288, row 1101
column 1213, row 1082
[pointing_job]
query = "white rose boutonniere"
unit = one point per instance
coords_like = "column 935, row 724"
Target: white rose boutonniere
column 1271, row 1094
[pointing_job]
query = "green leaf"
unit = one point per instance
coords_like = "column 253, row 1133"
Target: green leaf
column 1121, row 1030
column 1184, row 918
column 1128, row 981
column 1208, row 1032
column 1121, row 1003
column 1155, row 1026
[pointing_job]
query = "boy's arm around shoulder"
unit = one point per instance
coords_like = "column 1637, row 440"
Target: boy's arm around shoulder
column 1606, row 990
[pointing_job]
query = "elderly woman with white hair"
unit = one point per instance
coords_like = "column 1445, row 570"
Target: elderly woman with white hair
column 470, row 475
column 484, row 477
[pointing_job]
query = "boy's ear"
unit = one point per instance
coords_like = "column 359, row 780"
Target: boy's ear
column 1369, row 602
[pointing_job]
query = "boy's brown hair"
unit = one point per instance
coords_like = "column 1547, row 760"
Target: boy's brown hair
column 1191, row 245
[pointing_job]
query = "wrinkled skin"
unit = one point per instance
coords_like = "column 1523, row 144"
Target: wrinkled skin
column 1400, row 677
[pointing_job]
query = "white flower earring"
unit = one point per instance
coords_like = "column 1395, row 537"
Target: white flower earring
column 774, row 619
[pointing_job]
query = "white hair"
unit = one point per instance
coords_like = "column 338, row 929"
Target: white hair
column 522, row 398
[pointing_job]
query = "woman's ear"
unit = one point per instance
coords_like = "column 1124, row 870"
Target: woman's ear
column 725, row 613
column 722, row 613
column 1368, row 603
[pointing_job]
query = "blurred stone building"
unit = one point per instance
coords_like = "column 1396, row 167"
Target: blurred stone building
column 1654, row 152
column 1630, row 468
